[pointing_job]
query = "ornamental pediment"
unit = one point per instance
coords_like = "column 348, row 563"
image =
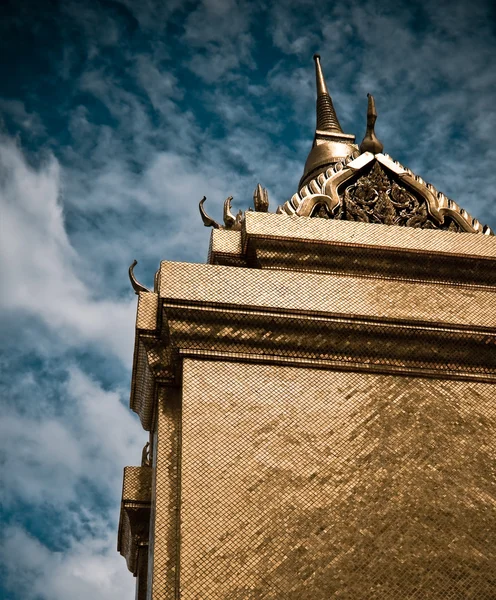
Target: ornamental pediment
column 343, row 181
column 377, row 189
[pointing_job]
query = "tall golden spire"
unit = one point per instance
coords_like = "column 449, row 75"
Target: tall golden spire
column 327, row 119
column 330, row 144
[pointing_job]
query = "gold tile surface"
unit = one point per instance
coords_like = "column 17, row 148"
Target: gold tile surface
column 367, row 235
column 372, row 477
column 303, row 484
column 331, row 294
column 135, row 514
column 142, row 385
column 164, row 549
column 137, row 484
column 147, row 313
column 223, row 241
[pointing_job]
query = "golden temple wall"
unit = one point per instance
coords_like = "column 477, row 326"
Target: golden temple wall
column 301, row 483
column 164, row 546
column 321, row 399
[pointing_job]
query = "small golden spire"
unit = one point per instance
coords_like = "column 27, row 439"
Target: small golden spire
column 370, row 143
column 261, row 199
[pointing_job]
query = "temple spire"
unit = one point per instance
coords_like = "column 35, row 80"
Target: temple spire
column 327, row 119
column 330, row 143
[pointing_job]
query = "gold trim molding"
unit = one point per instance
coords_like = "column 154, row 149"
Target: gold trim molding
column 424, row 328
column 134, row 518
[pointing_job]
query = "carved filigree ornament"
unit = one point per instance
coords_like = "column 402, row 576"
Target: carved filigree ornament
column 368, row 188
column 375, row 189
column 374, row 198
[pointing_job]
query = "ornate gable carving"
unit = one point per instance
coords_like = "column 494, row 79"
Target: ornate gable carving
column 375, row 198
column 376, row 189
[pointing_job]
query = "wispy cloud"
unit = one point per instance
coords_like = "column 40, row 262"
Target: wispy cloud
column 61, row 446
column 23, row 119
column 87, row 569
column 40, row 267
column 223, row 41
column 64, row 470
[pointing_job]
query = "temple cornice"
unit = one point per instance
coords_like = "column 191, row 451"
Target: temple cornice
column 305, row 295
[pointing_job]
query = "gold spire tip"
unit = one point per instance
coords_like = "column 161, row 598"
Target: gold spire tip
column 321, row 84
column 326, row 115
column 330, row 143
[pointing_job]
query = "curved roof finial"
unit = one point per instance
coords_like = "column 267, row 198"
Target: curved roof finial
column 327, row 119
column 370, row 143
column 137, row 287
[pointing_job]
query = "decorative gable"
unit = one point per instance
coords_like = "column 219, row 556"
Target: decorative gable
column 376, row 189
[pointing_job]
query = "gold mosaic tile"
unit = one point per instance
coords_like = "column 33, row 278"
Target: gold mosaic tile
column 297, row 243
column 369, row 478
column 164, row 547
column 147, row 313
column 135, row 515
column 142, row 385
column 298, row 483
column 367, row 235
column 332, row 294
column 224, row 242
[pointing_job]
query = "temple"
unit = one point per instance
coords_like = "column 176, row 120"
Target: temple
column 319, row 397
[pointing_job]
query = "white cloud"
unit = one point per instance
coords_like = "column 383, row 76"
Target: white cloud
column 90, row 568
column 47, row 463
column 91, row 435
column 161, row 86
column 100, row 27
column 105, row 426
column 39, row 269
column 220, row 32
column 46, row 460
column 152, row 14
column 290, row 27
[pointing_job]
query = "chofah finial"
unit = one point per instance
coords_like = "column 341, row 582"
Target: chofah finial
column 137, row 287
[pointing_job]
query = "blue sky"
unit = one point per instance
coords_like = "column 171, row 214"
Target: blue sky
column 116, row 117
